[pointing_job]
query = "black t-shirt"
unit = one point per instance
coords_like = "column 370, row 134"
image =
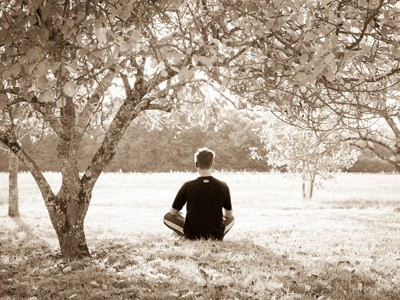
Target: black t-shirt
column 205, row 197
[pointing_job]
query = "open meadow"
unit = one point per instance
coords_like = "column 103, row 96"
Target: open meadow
column 343, row 244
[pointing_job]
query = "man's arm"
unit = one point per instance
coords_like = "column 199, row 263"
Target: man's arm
column 179, row 201
column 228, row 213
column 173, row 211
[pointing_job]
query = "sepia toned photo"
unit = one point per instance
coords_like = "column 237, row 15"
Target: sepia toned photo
column 199, row 149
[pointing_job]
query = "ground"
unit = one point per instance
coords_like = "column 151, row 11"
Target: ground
column 344, row 244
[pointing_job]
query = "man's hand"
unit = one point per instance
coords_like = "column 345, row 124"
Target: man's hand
column 228, row 213
column 173, row 211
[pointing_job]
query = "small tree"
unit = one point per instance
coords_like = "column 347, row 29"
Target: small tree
column 305, row 152
column 73, row 64
column 13, row 206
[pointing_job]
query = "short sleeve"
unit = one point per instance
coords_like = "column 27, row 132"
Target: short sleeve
column 180, row 199
column 228, row 204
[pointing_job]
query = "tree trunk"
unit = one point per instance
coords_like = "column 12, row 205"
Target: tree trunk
column 13, row 207
column 67, row 213
column 72, row 241
column 311, row 187
column 397, row 155
column 304, row 189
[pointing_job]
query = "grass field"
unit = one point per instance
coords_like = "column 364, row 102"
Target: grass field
column 343, row 244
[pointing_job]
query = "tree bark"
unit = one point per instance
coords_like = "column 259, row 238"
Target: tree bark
column 13, row 206
column 73, row 243
column 67, row 217
column 397, row 155
column 311, row 187
column 304, row 189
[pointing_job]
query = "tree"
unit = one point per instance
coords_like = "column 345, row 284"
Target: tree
column 13, row 169
column 71, row 65
column 304, row 152
column 13, row 207
column 338, row 66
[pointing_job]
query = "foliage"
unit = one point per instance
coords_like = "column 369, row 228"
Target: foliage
column 368, row 162
column 304, row 151
column 344, row 71
column 78, row 64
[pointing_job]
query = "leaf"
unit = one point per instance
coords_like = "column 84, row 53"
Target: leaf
column 6, row 75
column 164, row 73
column 42, row 83
column 47, row 96
column 185, row 74
column 69, row 68
column 3, row 101
column 304, row 59
column 101, row 34
column 205, row 60
column 15, row 70
column 195, row 60
column 55, row 66
column 136, row 35
column 301, row 77
column 330, row 76
column 94, row 283
column 3, row 35
column 360, row 286
column 252, row 6
column 144, row 48
column 61, row 102
column 67, row 269
column 41, row 69
column 124, row 46
column 69, row 89
column 300, row 19
column 384, row 31
column 328, row 60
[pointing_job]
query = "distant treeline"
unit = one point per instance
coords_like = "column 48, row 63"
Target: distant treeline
column 159, row 151
column 163, row 151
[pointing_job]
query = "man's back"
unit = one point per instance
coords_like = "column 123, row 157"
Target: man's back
column 205, row 198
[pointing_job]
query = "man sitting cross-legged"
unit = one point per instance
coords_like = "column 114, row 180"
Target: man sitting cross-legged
column 206, row 199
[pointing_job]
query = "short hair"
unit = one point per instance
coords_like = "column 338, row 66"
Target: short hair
column 204, row 158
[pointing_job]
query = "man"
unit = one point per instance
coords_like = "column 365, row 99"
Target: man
column 206, row 199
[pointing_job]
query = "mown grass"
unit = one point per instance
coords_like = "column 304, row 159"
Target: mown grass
column 337, row 246
column 173, row 268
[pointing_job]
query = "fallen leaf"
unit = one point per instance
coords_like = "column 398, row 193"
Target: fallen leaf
column 189, row 294
column 360, row 286
column 94, row 284
column 67, row 269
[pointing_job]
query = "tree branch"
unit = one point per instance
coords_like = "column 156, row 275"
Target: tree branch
column 92, row 104
column 9, row 139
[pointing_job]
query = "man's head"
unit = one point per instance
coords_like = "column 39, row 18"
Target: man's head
column 204, row 158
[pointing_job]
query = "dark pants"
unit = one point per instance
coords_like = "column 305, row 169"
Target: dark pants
column 176, row 222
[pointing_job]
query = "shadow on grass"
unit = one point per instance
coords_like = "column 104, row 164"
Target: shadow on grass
column 167, row 267
column 174, row 268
